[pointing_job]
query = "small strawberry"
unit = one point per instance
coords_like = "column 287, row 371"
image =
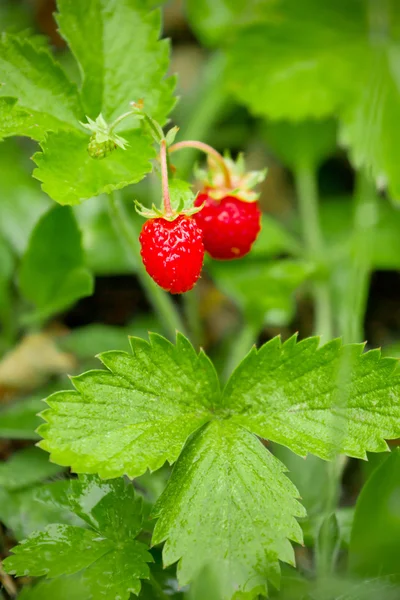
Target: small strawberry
column 230, row 218
column 229, row 225
column 172, row 252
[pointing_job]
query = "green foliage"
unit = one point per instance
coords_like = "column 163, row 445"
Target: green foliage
column 230, row 461
column 19, row 420
column 117, row 424
column 21, row 479
column 116, row 68
column 334, row 60
column 325, row 401
column 114, row 517
column 164, row 402
column 60, row 589
column 375, row 536
column 53, row 275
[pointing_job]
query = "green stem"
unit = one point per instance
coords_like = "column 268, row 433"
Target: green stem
column 210, row 151
column 307, row 192
column 161, row 302
column 355, row 295
column 157, row 588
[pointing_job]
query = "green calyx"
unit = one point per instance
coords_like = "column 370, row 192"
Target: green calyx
column 242, row 181
column 182, row 201
column 103, row 140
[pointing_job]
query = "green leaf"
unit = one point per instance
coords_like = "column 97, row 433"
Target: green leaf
column 341, row 61
column 134, row 416
column 112, row 560
column 106, row 253
column 21, row 200
column 17, row 121
column 29, row 73
column 244, row 530
column 26, row 467
column 375, row 537
column 19, row 420
column 325, row 401
column 69, row 175
column 121, row 60
column 53, row 275
column 213, row 21
column 263, row 291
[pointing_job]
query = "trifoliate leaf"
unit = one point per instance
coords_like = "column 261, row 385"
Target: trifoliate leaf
column 339, row 59
column 136, row 415
column 226, row 487
column 377, row 518
column 53, row 274
column 69, row 174
column 29, row 74
column 121, row 60
column 112, row 560
column 326, row 400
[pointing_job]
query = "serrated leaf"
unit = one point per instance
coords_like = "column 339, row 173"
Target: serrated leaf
column 325, row 401
column 69, row 174
column 375, row 536
column 52, row 274
column 29, row 73
column 249, row 516
column 136, row 415
column 112, row 560
column 121, row 60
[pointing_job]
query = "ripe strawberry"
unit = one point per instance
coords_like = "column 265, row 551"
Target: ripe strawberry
column 230, row 226
column 172, row 252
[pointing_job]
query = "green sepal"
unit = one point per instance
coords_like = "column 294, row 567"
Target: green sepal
column 182, row 203
column 242, row 182
column 103, row 140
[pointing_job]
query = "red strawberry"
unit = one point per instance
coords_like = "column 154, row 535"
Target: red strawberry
column 172, row 252
column 229, row 225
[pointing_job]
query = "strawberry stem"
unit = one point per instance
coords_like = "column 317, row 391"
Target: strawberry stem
column 164, row 178
column 210, row 151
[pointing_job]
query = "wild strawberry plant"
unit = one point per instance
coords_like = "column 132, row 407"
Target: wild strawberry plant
column 227, row 514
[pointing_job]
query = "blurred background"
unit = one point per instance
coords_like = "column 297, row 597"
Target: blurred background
column 278, row 289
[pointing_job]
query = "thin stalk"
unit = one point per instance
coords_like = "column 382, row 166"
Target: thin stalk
column 307, row 193
column 355, row 295
column 161, row 302
column 210, row 151
column 164, row 178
